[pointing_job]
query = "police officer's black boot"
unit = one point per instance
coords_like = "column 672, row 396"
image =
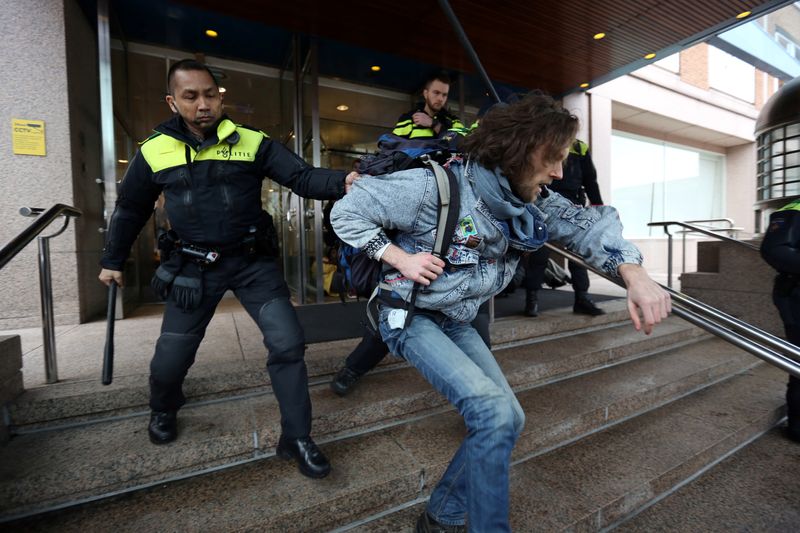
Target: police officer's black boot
column 163, row 427
column 310, row 459
column 426, row 524
column 585, row 306
column 793, row 409
column 531, row 303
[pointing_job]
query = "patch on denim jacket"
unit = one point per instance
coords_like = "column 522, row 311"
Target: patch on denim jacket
column 466, row 233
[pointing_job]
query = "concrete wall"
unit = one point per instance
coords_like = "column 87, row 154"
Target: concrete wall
column 45, row 41
column 10, row 378
column 34, row 65
column 84, row 119
column 740, row 167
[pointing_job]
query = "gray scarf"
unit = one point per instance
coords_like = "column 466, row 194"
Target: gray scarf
column 525, row 230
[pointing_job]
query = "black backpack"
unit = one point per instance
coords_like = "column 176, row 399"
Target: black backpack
column 398, row 153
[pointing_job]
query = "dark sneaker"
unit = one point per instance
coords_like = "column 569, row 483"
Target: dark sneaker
column 163, row 427
column 344, row 381
column 310, row 459
column 585, row 306
column 426, row 524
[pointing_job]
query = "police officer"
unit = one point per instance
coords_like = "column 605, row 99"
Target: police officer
column 430, row 118
column 781, row 249
column 579, row 182
column 211, row 171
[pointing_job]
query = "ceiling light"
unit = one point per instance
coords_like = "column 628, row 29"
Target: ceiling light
column 223, row 90
column 743, row 14
column 598, row 36
column 584, row 85
column 375, row 68
column 651, row 55
column 212, row 33
column 342, row 107
column 123, row 161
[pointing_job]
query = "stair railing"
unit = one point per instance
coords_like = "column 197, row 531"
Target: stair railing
column 692, row 227
column 764, row 345
column 16, row 245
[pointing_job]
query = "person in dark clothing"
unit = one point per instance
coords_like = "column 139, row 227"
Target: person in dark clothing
column 579, row 183
column 210, row 171
column 781, row 249
column 430, row 119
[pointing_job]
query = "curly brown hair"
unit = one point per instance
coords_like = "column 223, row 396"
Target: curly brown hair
column 508, row 134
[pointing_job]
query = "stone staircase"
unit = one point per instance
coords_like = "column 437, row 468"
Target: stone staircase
column 615, row 419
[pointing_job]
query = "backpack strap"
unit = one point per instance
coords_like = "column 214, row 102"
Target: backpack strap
column 447, row 218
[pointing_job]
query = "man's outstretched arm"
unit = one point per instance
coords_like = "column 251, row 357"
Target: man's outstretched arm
column 644, row 295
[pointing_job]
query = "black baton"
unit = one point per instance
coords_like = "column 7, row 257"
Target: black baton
column 108, row 353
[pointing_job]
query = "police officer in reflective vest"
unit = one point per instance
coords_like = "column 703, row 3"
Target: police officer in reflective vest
column 781, row 249
column 211, row 171
column 430, row 119
column 578, row 184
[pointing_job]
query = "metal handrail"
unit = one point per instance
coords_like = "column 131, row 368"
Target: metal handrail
column 695, row 229
column 758, row 342
column 44, row 218
column 10, row 250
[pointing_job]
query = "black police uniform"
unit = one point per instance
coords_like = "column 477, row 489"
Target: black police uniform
column 781, row 249
column 578, row 184
column 213, row 200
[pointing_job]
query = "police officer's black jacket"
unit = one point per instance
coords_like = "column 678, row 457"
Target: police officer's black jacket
column 781, row 245
column 580, row 177
column 212, row 188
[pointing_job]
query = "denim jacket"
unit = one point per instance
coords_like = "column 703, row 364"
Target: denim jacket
column 480, row 260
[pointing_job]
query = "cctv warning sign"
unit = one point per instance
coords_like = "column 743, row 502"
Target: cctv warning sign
column 27, row 137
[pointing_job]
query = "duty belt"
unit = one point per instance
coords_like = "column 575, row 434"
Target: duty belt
column 208, row 255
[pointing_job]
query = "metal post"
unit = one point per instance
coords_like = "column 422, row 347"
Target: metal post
column 462, row 99
column 462, row 36
column 48, row 325
column 298, row 149
column 46, row 299
column 669, row 261
column 106, row 109
column 316, row 149
column 683, row 253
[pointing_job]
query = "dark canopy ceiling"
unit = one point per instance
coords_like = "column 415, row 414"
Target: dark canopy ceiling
column 544, row 44
column 524, row 45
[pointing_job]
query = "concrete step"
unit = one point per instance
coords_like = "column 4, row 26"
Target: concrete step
column 375, row 469
column 86, row 398
column 755, row 489
column 597, row 481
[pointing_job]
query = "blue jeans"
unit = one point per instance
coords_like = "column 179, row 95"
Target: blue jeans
column 455, row 360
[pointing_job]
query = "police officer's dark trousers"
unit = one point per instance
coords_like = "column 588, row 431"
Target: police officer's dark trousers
column 787, row 300
column 535, row 264
column 259, row 285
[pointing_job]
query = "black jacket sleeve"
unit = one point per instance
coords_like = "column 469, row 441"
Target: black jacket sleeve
column 589, row 174
column 285, row 167
column 780, row 247
column 136, row 199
